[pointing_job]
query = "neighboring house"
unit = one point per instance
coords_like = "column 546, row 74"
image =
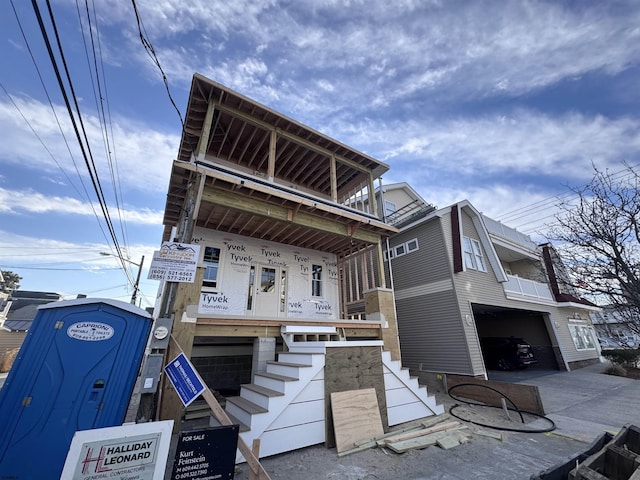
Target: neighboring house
column 459, row 276
column 616, row 329
column 20, row 309
column 288, row 261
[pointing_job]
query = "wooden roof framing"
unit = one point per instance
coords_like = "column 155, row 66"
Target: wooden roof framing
column 268, row 176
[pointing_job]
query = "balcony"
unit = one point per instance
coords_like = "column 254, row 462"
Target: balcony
column 527, row 288
column 511, row 234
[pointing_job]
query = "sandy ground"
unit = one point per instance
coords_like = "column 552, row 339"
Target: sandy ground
column 515, row 456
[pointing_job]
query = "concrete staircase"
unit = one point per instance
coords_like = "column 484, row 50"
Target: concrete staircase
column 285, row 404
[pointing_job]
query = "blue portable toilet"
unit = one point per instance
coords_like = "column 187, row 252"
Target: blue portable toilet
column 75, row 371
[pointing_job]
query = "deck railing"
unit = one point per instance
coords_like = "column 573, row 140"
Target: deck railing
column 528, row 288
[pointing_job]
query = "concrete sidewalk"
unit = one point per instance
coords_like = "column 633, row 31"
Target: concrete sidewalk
column 583, row 403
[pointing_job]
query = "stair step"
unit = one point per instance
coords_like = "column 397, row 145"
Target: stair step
column 285, row 368
column 272, row 381
column 275, row 376
column 267, row 392
column 246, row 405
column 305, row 359
column 259, row 394
column 213, row 422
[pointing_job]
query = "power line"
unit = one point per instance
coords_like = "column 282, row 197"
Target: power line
column 86, row 152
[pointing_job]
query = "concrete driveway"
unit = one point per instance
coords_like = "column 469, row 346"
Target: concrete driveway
column 585, row 402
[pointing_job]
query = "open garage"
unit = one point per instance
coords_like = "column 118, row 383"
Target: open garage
column 532, row 326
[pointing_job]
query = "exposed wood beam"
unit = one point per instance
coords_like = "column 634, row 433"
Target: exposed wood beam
column 280, row 213
column 203, row 142
column 271, row 167
column 293, row 138
column 334, row 180
column 282, row 195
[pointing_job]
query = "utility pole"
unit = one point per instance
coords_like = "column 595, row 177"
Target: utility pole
column 136, row 287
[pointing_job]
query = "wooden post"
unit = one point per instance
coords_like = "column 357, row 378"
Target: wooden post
column 255, row 449
column 254, row 464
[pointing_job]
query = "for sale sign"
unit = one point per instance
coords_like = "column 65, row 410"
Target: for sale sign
column 208, row 454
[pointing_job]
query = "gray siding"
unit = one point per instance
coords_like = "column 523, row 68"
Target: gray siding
column 431, row 334
column 428, row 264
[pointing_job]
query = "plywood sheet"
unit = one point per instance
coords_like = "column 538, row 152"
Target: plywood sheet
column 356, row 417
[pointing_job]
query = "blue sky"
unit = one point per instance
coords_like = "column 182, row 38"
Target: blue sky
column 504, row 103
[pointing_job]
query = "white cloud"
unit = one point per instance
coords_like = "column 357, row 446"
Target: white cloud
column 525, row 142
column 387, row 51
column 135, row 148
column 15, row 202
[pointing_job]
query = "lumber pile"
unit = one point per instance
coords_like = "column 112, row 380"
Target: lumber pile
column 439, row 430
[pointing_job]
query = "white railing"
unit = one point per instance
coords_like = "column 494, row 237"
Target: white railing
column 498, row 228
column 528, row 288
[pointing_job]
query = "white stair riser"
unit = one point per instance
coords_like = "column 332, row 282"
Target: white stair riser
column 300, row 358
column 272, row 383
column 258, row 398
column 283, row 369
column 239, row 413
column 400, row 396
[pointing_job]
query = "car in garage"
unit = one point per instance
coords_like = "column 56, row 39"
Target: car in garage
column 507, row 353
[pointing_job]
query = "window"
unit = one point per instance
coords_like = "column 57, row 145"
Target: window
column 402, row 249
column 473, row 257
column 389, row 209
column 583, row 337
column 211, row 261
column 316, row 280
column 252, row 279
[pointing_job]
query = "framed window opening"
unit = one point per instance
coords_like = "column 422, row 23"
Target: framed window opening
column 211, row 262
column 316, row 281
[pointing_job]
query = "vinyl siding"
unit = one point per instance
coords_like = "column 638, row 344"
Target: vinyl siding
column 431, row 333
column 428, row 264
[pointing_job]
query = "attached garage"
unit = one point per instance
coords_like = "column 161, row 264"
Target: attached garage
column 532, row 326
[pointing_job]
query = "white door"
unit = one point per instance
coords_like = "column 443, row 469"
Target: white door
column 268, row 286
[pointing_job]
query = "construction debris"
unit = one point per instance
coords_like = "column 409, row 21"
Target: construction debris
column 437, row 430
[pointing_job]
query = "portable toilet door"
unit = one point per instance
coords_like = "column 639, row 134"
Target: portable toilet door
column 76, row 370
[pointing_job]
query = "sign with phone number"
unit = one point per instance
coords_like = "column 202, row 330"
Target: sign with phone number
column 172, row 266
